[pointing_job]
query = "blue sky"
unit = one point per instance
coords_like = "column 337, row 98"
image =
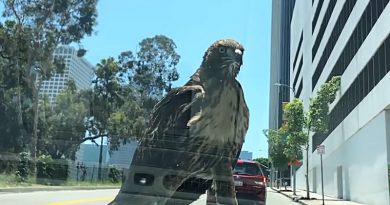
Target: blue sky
column 193, row 26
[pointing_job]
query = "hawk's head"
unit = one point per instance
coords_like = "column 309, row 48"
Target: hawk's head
column 223, row 58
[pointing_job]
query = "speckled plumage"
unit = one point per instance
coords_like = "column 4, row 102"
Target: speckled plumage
column 197, row 129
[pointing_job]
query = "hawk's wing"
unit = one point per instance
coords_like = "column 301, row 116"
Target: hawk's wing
column 167, row 136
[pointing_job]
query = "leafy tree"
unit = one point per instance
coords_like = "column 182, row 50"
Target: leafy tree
column 277, row 141
column 126, row 123
column 151, row 72
column 63, row 125
column 316, row 119
column 128, row 88
column 264, row 161
column 106, row 99
column 12, row 135
column 105, row 94
column 266, row 164
column 295, row 120
column 29, row 33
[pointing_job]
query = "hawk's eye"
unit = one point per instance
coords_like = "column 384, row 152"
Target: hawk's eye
column 222, row 49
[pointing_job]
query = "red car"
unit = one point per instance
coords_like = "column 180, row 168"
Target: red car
column 250, row 183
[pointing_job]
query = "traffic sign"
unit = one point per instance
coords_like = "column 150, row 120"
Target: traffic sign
column 320, row 149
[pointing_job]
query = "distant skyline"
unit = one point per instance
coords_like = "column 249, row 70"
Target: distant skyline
column 193, row 26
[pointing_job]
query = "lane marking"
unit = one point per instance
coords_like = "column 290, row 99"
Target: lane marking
column 82, row 201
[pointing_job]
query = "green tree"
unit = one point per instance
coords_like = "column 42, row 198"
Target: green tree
column 126, row 123
column 264, row 161
column 299, row 124
column 277, row 141
column 63, row 125
column 266, row 165
column 141, row 80
column 151, row 72
column 29, row 33
column 106, row 99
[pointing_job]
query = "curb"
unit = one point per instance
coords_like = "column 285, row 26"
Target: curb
column 56, row 188
column 295, row 199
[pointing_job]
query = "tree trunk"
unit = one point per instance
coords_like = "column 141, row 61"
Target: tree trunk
column 34, row 141
column 35, row 135
column 294, row 180
column 307, row 172
column 307, row 164
column 20, row 114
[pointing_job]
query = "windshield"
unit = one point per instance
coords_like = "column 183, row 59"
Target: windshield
column 156, row 101
column 247, row 168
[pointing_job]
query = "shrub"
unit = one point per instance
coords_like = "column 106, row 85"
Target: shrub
column 23, row 167
column 51, row 172
column 9, row 163
column 44, row 169
column 114, row 175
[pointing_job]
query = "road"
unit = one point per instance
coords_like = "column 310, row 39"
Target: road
column 84, row 197
column 97, row 197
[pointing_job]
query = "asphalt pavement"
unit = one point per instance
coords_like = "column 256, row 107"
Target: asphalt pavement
column 84, row 197
column 98, row 197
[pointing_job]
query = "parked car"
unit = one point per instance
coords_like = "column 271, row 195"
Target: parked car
column 250, row 184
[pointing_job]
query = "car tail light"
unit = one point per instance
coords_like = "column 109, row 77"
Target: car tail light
column 263, row 179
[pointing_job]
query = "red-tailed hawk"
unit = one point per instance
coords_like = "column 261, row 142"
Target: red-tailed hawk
column 195, row 130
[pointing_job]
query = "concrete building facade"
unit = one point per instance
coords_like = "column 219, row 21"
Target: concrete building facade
column 347, row 38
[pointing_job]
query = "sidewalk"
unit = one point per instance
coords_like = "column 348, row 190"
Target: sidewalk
column 317, row 197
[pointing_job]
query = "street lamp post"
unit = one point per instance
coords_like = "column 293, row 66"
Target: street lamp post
column 284, row 85
column 271, row 168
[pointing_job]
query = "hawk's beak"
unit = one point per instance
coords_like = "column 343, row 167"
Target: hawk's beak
column 238, row 54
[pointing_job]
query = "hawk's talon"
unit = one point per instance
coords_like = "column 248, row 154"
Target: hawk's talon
column 193, row 88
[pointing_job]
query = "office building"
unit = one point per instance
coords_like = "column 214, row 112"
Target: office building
column 280, row 63
column 88, row 155
column 246, row 155
column 347, row 38
column 77, row 69
column 122, row 157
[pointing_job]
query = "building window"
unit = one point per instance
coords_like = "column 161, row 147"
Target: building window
column 299, row 90
column 316, row 14
column 298, row 72
column 298, row 50
column 357, row 38
column 324, row 25
column 367, row 79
